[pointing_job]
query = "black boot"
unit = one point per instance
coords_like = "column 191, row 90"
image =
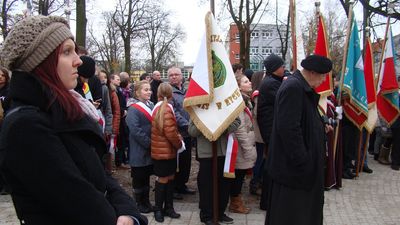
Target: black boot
column 142, row 199
column 146, row 200
column 169, row 202
column 160, row 193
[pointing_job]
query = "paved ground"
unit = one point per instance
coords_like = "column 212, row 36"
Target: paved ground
column 372, row 199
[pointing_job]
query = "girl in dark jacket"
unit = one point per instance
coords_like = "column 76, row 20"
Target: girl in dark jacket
column 138, row 120
column 56, row 173
column 165, row 142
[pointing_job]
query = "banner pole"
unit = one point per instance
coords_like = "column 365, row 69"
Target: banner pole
column 215, row 182
column 365, row 150
column 339, row 97
column 358, row 163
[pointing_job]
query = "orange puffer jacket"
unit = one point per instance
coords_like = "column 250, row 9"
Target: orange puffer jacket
column 164, row 145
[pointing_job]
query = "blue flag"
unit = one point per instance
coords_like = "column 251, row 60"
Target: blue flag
column 356, row 101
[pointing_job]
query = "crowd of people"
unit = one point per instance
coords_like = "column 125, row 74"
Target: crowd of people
column 78, row 124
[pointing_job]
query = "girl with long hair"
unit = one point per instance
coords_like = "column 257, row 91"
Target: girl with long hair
column 247, row 154
column 165, row 143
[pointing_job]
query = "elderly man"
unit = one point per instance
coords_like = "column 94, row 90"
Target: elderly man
column 182, row 177
column 155, row 82
column 295, row 162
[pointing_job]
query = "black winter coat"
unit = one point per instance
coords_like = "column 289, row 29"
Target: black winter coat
column 266, row 103
column 53, row 166
column 296, row 149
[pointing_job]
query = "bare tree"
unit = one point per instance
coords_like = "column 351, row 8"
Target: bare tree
column 81, row 22
column 130, row 18
column 243, row 13
column 161, row 38
column 6, row 8
column 335, row 28
column 107, row 49
column 48, row 7
column 283, row 31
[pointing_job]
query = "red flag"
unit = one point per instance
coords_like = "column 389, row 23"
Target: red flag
column 321, row 48
column 388, row 98
column 369, row 75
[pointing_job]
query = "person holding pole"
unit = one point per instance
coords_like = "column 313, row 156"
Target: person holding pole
column 295, row 161
column 204, row 184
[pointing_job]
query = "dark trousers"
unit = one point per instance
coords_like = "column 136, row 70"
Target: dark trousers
column 122, row 144
column 395, row 155
column 351, row 135
column 259, row 166
column 141, row 176
column 185, row 163
column 237, row 183
column 205, row 186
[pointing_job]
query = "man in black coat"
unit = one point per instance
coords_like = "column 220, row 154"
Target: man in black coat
column 295, row 161
column 274, row 69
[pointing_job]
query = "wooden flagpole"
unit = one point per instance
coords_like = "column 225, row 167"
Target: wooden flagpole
column 339, row 99
column 365, row 151
column 214, row 160
column 293, row 28
column 358, row 163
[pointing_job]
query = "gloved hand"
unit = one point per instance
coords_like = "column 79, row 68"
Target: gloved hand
column 339, row 111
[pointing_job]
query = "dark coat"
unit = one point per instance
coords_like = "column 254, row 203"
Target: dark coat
column 139, row 136
column 266, row 103
column 182, row 116
column 296, row 149
column 154, row 88
column 53, row 166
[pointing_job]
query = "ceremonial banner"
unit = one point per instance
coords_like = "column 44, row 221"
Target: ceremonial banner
column 369, row 75
column 321, row 48
column 388, row 98
column 213, row 99
column 355, row 100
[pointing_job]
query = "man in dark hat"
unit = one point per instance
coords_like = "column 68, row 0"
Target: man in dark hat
column 274, row 69
column 295, row 162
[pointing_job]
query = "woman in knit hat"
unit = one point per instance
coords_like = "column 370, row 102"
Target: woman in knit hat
column 51, row 153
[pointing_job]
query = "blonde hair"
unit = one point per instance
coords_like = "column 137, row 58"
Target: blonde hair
column 164, row 92
column 138, row 86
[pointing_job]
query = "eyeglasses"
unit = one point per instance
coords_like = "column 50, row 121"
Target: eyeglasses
column 175, row 74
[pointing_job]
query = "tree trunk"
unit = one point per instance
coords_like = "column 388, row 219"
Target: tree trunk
column 127, row 49
column 81, row 23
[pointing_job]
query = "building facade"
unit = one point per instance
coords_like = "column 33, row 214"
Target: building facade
column 264, row 40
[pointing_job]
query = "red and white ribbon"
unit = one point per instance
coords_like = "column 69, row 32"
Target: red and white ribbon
column 230, row 157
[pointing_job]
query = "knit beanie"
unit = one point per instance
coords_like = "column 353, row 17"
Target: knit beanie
column 32, row 40
column 272, row 63
column 88, row 67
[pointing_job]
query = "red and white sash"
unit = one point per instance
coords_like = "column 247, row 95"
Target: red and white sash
column 143, row 108
column 248, row 112
column 230, row 157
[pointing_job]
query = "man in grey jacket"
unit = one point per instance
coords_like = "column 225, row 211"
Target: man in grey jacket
column 182, row 118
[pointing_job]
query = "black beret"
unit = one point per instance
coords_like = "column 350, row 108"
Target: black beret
column 272, row 63
column 317, row 63
column 88, row 67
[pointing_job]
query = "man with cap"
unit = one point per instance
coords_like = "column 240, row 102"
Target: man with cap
column 295, row 162
column 274, row 69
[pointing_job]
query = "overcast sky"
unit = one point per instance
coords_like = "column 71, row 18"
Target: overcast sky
column 190, row 14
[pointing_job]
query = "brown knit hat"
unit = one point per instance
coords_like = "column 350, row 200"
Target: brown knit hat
column 32, row 40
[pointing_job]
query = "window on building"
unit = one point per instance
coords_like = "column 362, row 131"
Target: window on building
column 266, row 34
column 254, row 34
column 237, row 38
column 266, row 50
column 253, row 50
column 237, row 56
